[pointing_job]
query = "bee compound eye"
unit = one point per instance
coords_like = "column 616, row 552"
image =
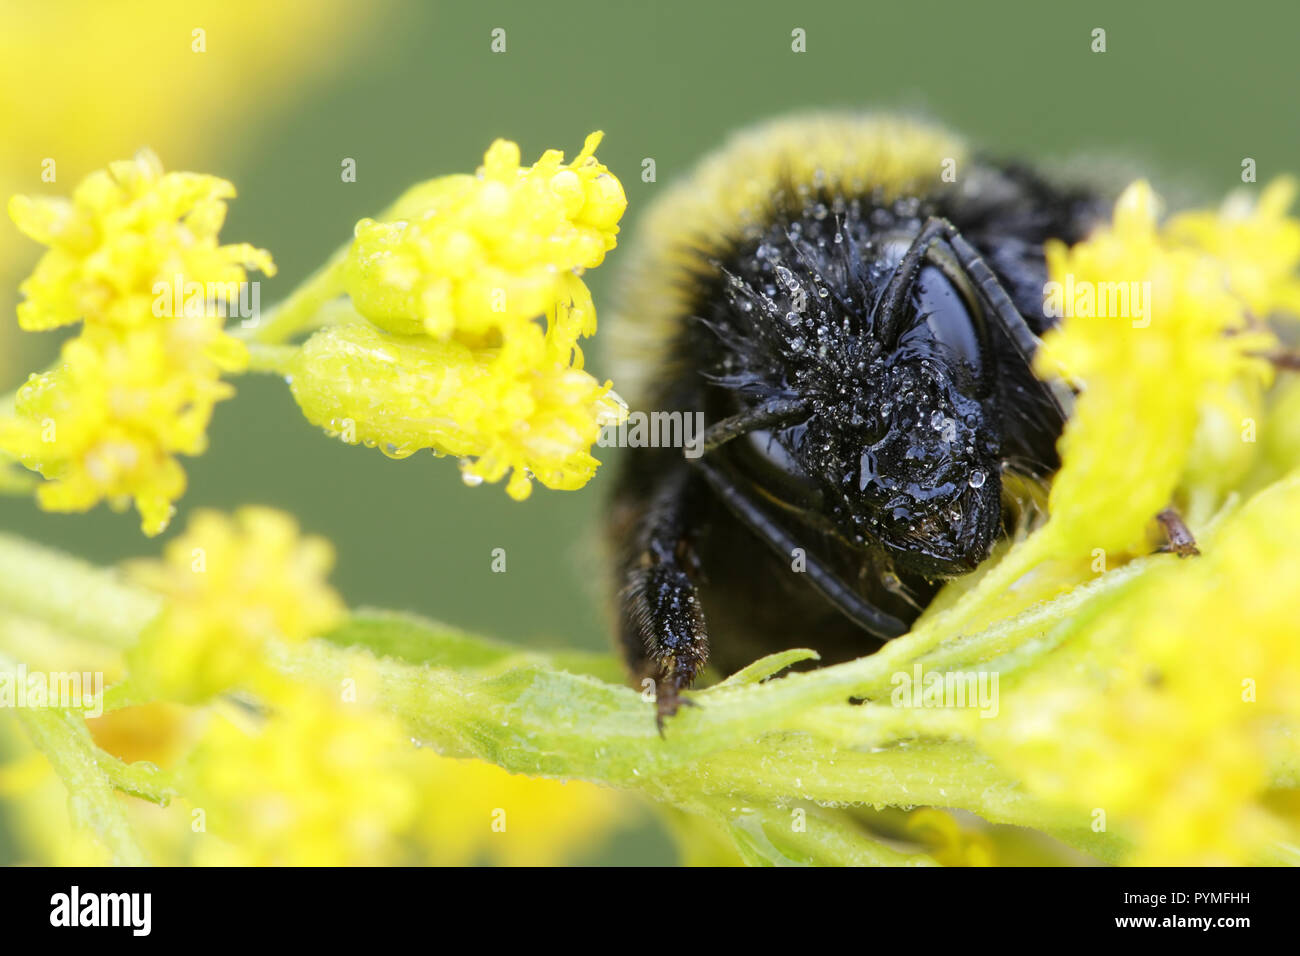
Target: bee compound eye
column 768, row 457
column 949, row 313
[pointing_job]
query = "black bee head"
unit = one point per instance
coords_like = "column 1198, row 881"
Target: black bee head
column 921, row 476
column 919, row 439
column 899, row 444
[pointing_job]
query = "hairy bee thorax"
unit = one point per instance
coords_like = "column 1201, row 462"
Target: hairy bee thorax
column 761, row 179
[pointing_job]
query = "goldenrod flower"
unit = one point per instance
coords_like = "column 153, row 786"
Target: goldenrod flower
column 1258, row 242
column 1184, row 343
column 123, row 233
column 230, row 587
column 1199, row 653
column 948, row 842
column 476, row 812
column 1166, row 708
column 107, row 104
column 404, row 393
column 489, row 252
column 459, row 287
column 108, row 419
column 319, row 782
column 138, row 385
column 323, row 782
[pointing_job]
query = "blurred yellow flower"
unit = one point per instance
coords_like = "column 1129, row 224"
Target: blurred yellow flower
column 160, row 732
column 230, row 587
column 317, row 783
column 323, row 782
column 83, row 58
column 947, row 841
column 1167, row 707
column 1259, row 242
column 476, row 812
column 227, row 61
column 139, row 384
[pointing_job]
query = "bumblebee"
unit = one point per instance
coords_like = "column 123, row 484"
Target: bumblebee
column 853, row 303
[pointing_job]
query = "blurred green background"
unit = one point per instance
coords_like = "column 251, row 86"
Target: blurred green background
column 411, row 90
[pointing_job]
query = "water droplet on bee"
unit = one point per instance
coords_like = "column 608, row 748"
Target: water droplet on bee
column 976, row 479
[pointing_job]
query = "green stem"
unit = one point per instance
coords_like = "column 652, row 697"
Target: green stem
column 275, row 359
column 140, row 779
column 303, row 308
column 298, row 312
column 71, row 595
column 803, row 836
column 92, row 803
column 764, row 744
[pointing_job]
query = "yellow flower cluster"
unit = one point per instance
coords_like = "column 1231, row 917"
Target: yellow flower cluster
column 459, row 287
column 1163, row 713
column 488, row 252
column 318, row 778
column 1189, row 342
column 324, row 782
column 1172, row 701
column 231, row 586
column 139, row 383
column 404, row 393
column 319, row 783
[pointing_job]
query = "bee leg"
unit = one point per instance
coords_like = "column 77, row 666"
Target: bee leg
column 834, row 588
column 661, row 623
column 1286, row 360
column 1178, row 536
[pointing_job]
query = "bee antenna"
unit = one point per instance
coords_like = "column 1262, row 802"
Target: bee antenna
column 777, row 410
column 890, row 304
